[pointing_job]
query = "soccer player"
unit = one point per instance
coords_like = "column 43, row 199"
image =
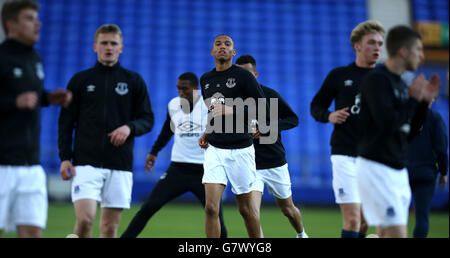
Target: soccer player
column 186, row 118
column 23, row 192
column 391, row 114
column 427, row 157
column 110, row 107
column 271, row 166
column 342, row 85
column 229, row 155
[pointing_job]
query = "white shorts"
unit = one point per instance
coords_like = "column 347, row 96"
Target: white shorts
column 234, row 165
column 23, row 197
column 112, row 188
column 344, row 179
column 277, row 180
column 385, row 193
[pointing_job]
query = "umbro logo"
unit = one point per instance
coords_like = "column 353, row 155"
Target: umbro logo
column 90, row 88
column 348, row 83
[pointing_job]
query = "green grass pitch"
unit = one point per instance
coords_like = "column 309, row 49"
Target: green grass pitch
column 186, row 220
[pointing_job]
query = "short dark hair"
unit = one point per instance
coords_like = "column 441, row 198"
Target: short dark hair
column 191, row 77
column 12, row 8
column 223, row 34
column 246, row 59
column 400, row 36
column 108, row 28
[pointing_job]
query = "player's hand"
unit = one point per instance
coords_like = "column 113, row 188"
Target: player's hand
column 221, row 109
column 203, row 142
column 27, row 100
column 150, row 162
column 443, row 181
column 120, row 135
column 60, row 97
column 417, row 88
column 256, row 133
column 66, row 170
column 431, row 90
column 339, row 116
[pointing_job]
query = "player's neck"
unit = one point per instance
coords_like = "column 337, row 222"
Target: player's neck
column 395, row 66
column 363, row 64
column 223, row 66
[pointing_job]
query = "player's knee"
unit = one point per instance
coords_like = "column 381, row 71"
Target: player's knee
column 85, row 222
column 108, row 229
column 212, row 210
column 248, row 213
column 289, row 211
column 354, row 222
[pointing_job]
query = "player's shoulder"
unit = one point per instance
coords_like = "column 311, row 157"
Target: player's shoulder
column 239, row 71
column 207, row 75
column 269, row 91
column 174, row 103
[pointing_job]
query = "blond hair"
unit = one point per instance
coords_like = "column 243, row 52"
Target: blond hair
column 108, row 28
column 365, row 28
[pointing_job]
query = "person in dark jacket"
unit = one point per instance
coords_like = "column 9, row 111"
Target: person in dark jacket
column 23, row 192
column 229, row 155
column 186, row 121
column 271, row 165
column 391, row 115
column 342, row 85
column 427, row 157
column 110, row 107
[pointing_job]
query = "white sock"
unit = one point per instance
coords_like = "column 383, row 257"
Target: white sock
column 302, row 234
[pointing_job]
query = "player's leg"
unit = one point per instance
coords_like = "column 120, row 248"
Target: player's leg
column 31, row 202
column 423, row 191
column 249, row 211
column 351, row 217
column 346, row 194
column 213, row 197
column 109, row 222
column 393, row 231
column 29, row 231
column 85, row 211
column 169, row 186
column 293, row 214
column 116, row 196
column 363, row 226
column 257, row 198
column 198, row 189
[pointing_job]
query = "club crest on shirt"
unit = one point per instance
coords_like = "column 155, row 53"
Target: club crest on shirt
column 231, row 82
column 122, row 88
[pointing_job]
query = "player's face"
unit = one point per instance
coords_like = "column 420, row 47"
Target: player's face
column 26, row 28
column 369, row 48
column 249, row 67
column 223, row 49
column 185, row 90
column 414, row 56
column 108, row 48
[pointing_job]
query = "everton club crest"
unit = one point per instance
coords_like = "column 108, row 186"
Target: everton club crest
column 231, row 82
column 122, row 88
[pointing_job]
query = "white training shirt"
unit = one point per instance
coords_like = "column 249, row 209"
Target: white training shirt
column 188, row 129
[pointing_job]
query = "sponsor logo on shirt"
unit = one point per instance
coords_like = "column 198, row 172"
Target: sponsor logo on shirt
column 90, row 88
column 348, row 83
column 17, row 72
